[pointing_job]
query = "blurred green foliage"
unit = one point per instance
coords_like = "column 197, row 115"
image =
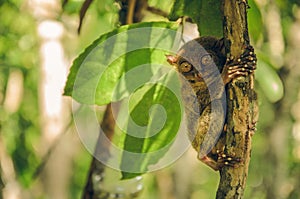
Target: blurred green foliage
column 18, row 52
column 207, row 14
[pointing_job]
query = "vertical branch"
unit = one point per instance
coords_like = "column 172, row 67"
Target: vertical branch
column 107, row 125
column 53, row 109
column 241, row 103
column 130, row 11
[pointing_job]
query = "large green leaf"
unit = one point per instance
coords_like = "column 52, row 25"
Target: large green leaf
column 157, row 128
column 96, row 72
column 128, row 64
column 207, row 14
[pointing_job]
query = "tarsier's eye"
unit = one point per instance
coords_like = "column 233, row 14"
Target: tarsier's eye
column 206, row 59
column 186, row 67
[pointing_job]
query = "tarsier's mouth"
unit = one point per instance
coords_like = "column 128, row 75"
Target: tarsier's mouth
column 207, row 76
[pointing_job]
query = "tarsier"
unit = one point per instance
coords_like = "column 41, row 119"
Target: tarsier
column 205, row 67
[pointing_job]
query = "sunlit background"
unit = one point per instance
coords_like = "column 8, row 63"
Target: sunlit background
column 41, row 155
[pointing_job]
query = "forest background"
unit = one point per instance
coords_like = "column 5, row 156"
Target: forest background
column 38, row 43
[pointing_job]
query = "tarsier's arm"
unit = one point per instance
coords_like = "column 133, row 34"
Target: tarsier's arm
column 205, row 132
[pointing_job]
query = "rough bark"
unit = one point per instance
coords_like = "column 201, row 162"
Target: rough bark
column 241, row 99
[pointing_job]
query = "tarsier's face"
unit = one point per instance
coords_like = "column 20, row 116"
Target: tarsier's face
column 200, row 69
column 200, row 60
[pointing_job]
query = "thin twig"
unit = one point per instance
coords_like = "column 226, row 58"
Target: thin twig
column 86, row 4
column 157, row 11
column 130, row 11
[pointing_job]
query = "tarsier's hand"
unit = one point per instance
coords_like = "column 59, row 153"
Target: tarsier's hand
column 242, row 66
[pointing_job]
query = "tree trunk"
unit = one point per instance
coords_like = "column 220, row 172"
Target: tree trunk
column 54, row 109
column 241, row 99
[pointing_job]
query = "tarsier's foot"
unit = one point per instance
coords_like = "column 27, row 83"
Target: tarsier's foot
column 222, row 160
column 243, row 66
column 226, row 160
column 252, row 128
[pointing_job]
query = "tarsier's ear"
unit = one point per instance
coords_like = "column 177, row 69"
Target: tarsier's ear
column 221, row 45
column 172, row 59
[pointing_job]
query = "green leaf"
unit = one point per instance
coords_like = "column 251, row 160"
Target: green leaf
column 207, row 14
column 269, row 81
column 255, row 23
column 96, row 72
column 149, row 135
column 178, row 10
column 129, row 62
